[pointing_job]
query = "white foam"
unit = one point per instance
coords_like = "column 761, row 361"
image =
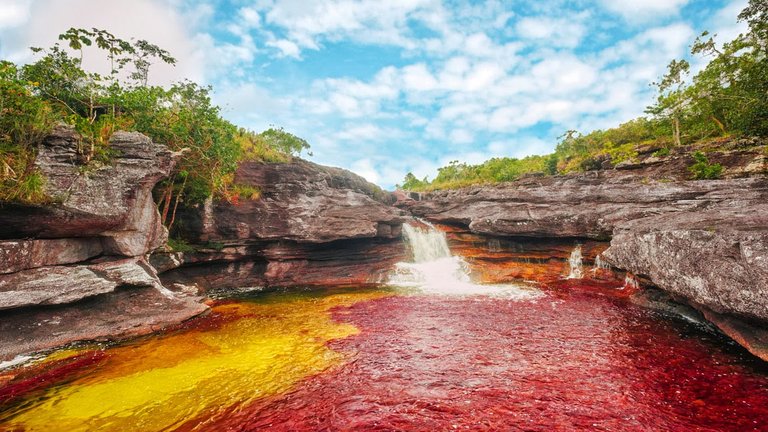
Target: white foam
column 435, row 271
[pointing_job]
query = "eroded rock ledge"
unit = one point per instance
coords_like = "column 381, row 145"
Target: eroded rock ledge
column 76, row 268
column 703, row 242
column 312, row 225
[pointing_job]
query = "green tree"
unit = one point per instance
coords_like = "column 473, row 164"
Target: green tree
column 672, row 99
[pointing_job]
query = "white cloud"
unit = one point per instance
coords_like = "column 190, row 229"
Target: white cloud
column 250, row 17
column 563, row 32
column 634, row 10
column 364, row 132
column 461, row 136
column 365, row 168
column 309, row 24
column 14, row 13
column 286, row 48
column 157, row 22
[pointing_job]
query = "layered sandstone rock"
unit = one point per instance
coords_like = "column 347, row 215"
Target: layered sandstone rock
column 87, row 247
column 299, row 201
column 311, row 225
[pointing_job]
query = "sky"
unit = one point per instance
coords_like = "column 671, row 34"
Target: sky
column 384, row 88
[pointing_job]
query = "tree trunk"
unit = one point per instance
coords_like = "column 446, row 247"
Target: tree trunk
column 676, row 130
column 165, row 200
column 176, row 204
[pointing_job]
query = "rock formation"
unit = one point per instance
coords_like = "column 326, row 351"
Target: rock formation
column 89, row 244
column 703, row 242
column 311, row 225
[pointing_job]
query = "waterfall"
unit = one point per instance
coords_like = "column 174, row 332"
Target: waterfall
column 574, row 261
column 434, row 270
column 428, row 244
column 630, row 281
column 600, row 265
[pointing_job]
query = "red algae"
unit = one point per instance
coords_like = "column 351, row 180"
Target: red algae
column 47, row 374
column 577, row 359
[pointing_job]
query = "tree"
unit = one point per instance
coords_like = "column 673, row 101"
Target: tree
column 672, row 98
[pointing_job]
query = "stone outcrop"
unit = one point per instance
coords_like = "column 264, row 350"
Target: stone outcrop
column 591, row 205
column 111, row 201
column 299, row 201
column 87, row 246
column 703, row 242
column 126, row 312
column 311, row 225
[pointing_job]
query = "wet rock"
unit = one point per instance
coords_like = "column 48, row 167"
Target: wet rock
column 66, row 284
column 750, row 334
column 111, row 316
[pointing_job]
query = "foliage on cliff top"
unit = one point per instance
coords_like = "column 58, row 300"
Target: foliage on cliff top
column 725, row 99
column 56, row 88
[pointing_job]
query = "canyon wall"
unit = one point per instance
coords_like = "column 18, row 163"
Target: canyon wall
column 91, row 263
column 311, row 225
column 76, row 267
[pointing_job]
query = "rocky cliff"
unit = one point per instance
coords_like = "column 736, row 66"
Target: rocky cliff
column 703, row 242
column 76, row 267
column 311, row 225
column 84, row 266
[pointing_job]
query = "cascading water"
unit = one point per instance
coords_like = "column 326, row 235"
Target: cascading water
column 435, row 270
column 631, row 282
column 574, row 261
column 600, row 265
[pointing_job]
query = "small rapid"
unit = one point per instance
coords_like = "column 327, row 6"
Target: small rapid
column 575, row 264
column 435, row 270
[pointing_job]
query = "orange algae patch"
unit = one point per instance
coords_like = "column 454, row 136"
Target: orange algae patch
column 261, row 349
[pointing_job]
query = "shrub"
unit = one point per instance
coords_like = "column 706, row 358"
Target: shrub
column 702, row 169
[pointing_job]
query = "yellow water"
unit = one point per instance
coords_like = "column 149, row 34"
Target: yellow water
column 263, row 348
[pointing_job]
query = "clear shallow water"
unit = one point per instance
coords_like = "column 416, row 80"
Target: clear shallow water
column 574, row 359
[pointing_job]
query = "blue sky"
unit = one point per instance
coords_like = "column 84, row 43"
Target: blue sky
column 387, row 87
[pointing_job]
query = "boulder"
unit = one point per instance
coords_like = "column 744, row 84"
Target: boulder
column 716, row 259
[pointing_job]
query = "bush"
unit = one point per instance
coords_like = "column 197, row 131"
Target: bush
column 702, row 169
column 24, row 120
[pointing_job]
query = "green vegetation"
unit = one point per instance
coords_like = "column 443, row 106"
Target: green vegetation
column 457, row 175
column 728, row 98
column 702, row 169
column 56, row 88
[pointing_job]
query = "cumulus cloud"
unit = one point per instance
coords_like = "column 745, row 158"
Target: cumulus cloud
column 564, row 32
column 157, row 22
column 467, row 81
column 644, row 9
column 14, row 13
